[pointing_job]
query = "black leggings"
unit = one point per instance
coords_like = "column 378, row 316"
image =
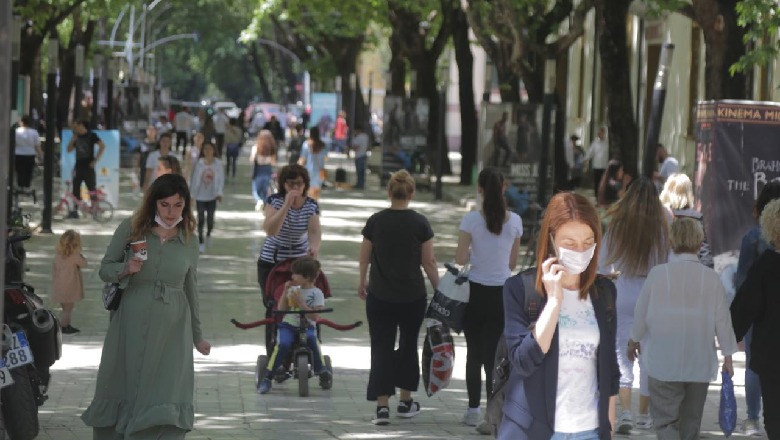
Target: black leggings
column 483, row 324
column 24, row 170
column 206, row 209
column 84, row 174
column 393, row 368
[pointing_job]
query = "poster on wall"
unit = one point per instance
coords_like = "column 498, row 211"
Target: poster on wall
column 405, row 128
column 510, row 139
column 736, row 155
column 323, row 113
column 106, row 170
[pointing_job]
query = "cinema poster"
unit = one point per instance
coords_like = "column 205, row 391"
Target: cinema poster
column 737, row 153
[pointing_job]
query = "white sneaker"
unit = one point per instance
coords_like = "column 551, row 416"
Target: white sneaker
column 472, row 417
column 202, row 248
column 751, row 427
column 644, row 421
column 625, row 423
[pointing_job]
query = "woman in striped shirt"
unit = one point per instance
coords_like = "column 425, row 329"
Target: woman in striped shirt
column 292, row 222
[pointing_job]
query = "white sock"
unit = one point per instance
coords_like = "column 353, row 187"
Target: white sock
column 473, row 410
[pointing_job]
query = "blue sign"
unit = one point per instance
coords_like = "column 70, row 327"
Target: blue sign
column 106, row 170
column 323, row 113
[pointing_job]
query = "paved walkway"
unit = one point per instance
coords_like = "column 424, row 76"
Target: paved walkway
column 227, row 406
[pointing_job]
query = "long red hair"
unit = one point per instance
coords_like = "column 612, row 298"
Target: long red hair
column 563, row 208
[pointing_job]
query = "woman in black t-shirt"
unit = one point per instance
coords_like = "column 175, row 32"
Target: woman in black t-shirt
column 396, row 242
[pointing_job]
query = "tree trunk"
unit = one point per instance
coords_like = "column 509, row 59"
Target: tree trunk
column 397, row 65
column 508, row 83
column 468, row 109
column 613, row 48
column 533, row 78
column 724, row 47
column 68, row 69
column 30, row 65
column 265, row 91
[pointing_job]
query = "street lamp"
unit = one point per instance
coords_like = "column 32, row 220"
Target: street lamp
column 48, row 152
column 657, row 109
column 488, row 81
column 97, row 65
column 78, row 80
column 113, row 65
column 338, row 93
column 352, row 97
column 549, row 96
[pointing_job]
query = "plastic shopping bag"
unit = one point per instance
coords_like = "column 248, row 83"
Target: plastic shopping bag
column 438, row 358
column 727, row 412
column 449, row 302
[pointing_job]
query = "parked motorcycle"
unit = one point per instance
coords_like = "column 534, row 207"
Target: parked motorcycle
column 31, row 342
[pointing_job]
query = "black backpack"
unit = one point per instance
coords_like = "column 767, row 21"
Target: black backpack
column 533, row 304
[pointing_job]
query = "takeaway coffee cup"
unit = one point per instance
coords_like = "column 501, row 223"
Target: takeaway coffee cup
column 138, row 248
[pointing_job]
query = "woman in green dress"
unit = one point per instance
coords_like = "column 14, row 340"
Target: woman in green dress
column 145, row 382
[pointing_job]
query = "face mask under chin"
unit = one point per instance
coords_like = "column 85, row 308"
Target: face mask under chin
column 164, row 225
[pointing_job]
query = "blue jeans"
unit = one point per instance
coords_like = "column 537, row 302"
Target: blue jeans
column 752, row 383
column 583, row 435
column 360, row 170
column 285, row 339
column 261, row 181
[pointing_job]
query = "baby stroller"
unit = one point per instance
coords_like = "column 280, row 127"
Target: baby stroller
column 298, row 363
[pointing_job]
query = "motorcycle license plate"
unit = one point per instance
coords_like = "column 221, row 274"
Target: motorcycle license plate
column 5, row 375
column 20, row 353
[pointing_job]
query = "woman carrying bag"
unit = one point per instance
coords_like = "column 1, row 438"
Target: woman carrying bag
column 489, row 240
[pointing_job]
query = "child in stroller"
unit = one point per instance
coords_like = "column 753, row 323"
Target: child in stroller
column 300, row 293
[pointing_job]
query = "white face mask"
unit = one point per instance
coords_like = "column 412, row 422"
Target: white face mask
column 164, row 225
column 573, row 261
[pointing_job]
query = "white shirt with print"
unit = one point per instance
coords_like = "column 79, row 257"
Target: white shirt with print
column 576, row 403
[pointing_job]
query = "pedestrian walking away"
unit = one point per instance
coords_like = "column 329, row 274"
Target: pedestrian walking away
column 360, row 147
column 598, row 152
column 27, row 150
column 67, row 286
column 488, row 240
column 263, row 160
column 313, row 155
column 208, row 182
column 636, row 240
column 613, row 184
column 752, row 246
column 564, row 375
column 397, row 241
column 677, row 197
column 681, row 309
column 83, row 143
column 145, row 384
column 758, row 305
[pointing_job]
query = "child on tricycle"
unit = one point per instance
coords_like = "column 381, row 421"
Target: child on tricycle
column 299, row 294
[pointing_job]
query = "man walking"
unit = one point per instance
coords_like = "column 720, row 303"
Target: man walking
column 599, row 153
column 221, row 121
column 184, row 123
column 83, row 143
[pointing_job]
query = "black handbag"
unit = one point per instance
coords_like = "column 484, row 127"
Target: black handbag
column 112, row 293
column 112, row 296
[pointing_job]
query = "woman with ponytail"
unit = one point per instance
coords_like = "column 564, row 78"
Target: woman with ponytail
column 489, row 240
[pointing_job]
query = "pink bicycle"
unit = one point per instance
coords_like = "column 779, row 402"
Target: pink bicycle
column 100, row 209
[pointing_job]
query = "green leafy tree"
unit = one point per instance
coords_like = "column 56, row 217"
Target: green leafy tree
column 724, row 38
